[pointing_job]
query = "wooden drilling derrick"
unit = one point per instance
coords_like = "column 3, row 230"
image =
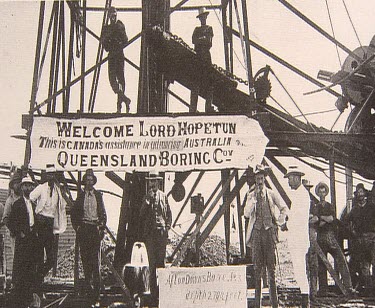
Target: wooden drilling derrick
column 165, row 58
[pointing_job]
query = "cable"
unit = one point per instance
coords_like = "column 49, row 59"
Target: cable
column 225, row 33
column 333, row 32
column 334, row 123
column 278, row 104
column 294, row 102
column 355, row 31
column 314, row 113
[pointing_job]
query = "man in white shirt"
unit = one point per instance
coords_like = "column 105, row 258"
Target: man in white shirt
column 298, row 225
column 50, row 217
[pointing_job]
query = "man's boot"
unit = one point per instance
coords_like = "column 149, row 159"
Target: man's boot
column 305, row 301
column 119, row 103
column 126, row 100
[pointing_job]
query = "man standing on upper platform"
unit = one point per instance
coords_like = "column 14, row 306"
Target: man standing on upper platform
column 114, row 40
column 202, row 40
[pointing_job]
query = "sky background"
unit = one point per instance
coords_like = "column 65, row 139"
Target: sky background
column 271, row 25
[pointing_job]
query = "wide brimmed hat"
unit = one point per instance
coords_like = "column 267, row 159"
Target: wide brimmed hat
column 89, row 172
column 262, row 169
column 50, row 168
column 154, row 175
column 112, row 9
column 27, row 179
column 15, row 177
column 319, row 185
column 293, row 170
column 360, row 186
column 202, row 11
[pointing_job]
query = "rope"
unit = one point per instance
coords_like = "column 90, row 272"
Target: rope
column 333, row 33
column 294, row 102
column 355, row 31
column 241, row 35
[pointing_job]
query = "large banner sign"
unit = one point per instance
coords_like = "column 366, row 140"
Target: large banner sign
column 209, row 287
column 147, row 143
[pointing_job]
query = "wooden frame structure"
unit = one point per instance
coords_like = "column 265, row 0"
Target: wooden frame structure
column 157, row 69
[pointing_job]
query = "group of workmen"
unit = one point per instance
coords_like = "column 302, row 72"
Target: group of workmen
column 34, row 214
column 311, row 227
column 114, row 39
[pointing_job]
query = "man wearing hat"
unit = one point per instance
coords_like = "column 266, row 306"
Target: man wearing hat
column 362, row 249
column 14, row 194
column 202, row 40
column 50, row 217
column 298, row 225
column 114, row 40
column 22, row 226
column 323, row 218
column 89, row 220
column 261, row 234
column 156, row 219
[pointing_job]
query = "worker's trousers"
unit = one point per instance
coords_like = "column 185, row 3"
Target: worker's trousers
column 263, row 245
column 156, row 243
column 89, row 244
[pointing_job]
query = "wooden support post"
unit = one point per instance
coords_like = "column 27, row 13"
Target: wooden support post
column 53, row 55
column 83, row 58
column 70, row 64
column 122, row 224
column 222, row 209
column 224, row 177
column 34, row 88
column 332, row 182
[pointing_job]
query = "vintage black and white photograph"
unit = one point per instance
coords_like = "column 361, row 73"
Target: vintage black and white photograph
column 187, row 153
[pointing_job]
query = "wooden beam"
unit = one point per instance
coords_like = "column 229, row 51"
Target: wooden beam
column 187, row 233
column 329, row 267
column 121, row 230
column 285, row 137
column 280, row 189
column 115, row 178
column 222, row 210
column 208, row 212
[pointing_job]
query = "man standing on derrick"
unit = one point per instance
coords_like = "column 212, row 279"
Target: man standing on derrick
column 114, row 40
column 202, row 40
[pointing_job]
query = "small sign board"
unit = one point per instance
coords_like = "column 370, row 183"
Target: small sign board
column 190, row 287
